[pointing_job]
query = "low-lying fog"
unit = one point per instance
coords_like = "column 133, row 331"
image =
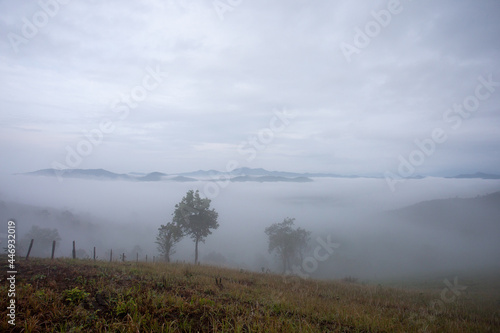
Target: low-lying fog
column 348, row 210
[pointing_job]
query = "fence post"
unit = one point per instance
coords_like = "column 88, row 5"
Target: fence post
column 123, row 257
column 137, row 257
column 29, row 250
column 53, row 249
column 94, row 253
column 111, row 255
column 74, row 251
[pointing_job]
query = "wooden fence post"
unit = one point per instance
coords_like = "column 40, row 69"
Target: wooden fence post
column 74, row 251
column 53, row 249
column 94, row 253
column 29, row 250
column 111, row 255
column 137, row 257
column 123, row 257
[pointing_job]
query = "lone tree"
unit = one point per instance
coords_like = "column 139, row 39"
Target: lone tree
column 288, row 243
column 168, row 236
column 195, row 218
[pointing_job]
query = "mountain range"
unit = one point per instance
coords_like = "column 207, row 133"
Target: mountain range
column 480, row 175
column 237, row 175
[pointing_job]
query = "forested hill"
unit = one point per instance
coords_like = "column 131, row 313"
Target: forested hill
column 459, row 214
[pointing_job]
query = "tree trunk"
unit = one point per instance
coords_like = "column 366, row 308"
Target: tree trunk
column 53, row 249
column 29, row 250
column 284, row 263
column 196, row 251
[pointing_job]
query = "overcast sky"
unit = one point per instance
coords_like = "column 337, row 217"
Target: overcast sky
column 320, row 86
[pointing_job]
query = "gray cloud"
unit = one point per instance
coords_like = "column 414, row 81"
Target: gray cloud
column 225, row 77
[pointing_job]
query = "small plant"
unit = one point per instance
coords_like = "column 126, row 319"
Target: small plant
column 187, row 273
column 75, row 295
column 38, row 277
column 277, row 308
column 123, row 308
column 41, row 294
column 202, row 301
column 163, row 284
column 81, row 280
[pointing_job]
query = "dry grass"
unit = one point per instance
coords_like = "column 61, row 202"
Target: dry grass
column 83, row 296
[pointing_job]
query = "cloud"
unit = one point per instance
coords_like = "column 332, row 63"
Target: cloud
column 225, row 77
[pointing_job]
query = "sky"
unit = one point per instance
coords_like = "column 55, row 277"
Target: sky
column 350, row 87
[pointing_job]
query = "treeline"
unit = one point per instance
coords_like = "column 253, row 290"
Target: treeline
column 193, row 217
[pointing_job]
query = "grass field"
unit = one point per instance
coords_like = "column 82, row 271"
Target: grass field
column 84, row 296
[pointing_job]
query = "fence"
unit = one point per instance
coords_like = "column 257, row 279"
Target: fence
column 122, row 256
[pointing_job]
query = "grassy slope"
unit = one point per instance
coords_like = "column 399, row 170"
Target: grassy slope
column 130, row 297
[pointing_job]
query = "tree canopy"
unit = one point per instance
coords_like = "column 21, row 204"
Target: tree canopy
column 168, row 236
column 287, row 242
column 195, row 218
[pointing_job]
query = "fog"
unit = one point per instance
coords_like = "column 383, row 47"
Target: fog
column 351, row 212
column 402, row 88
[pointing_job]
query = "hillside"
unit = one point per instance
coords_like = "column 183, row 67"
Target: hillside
column 459, row 214
column 85, row 296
